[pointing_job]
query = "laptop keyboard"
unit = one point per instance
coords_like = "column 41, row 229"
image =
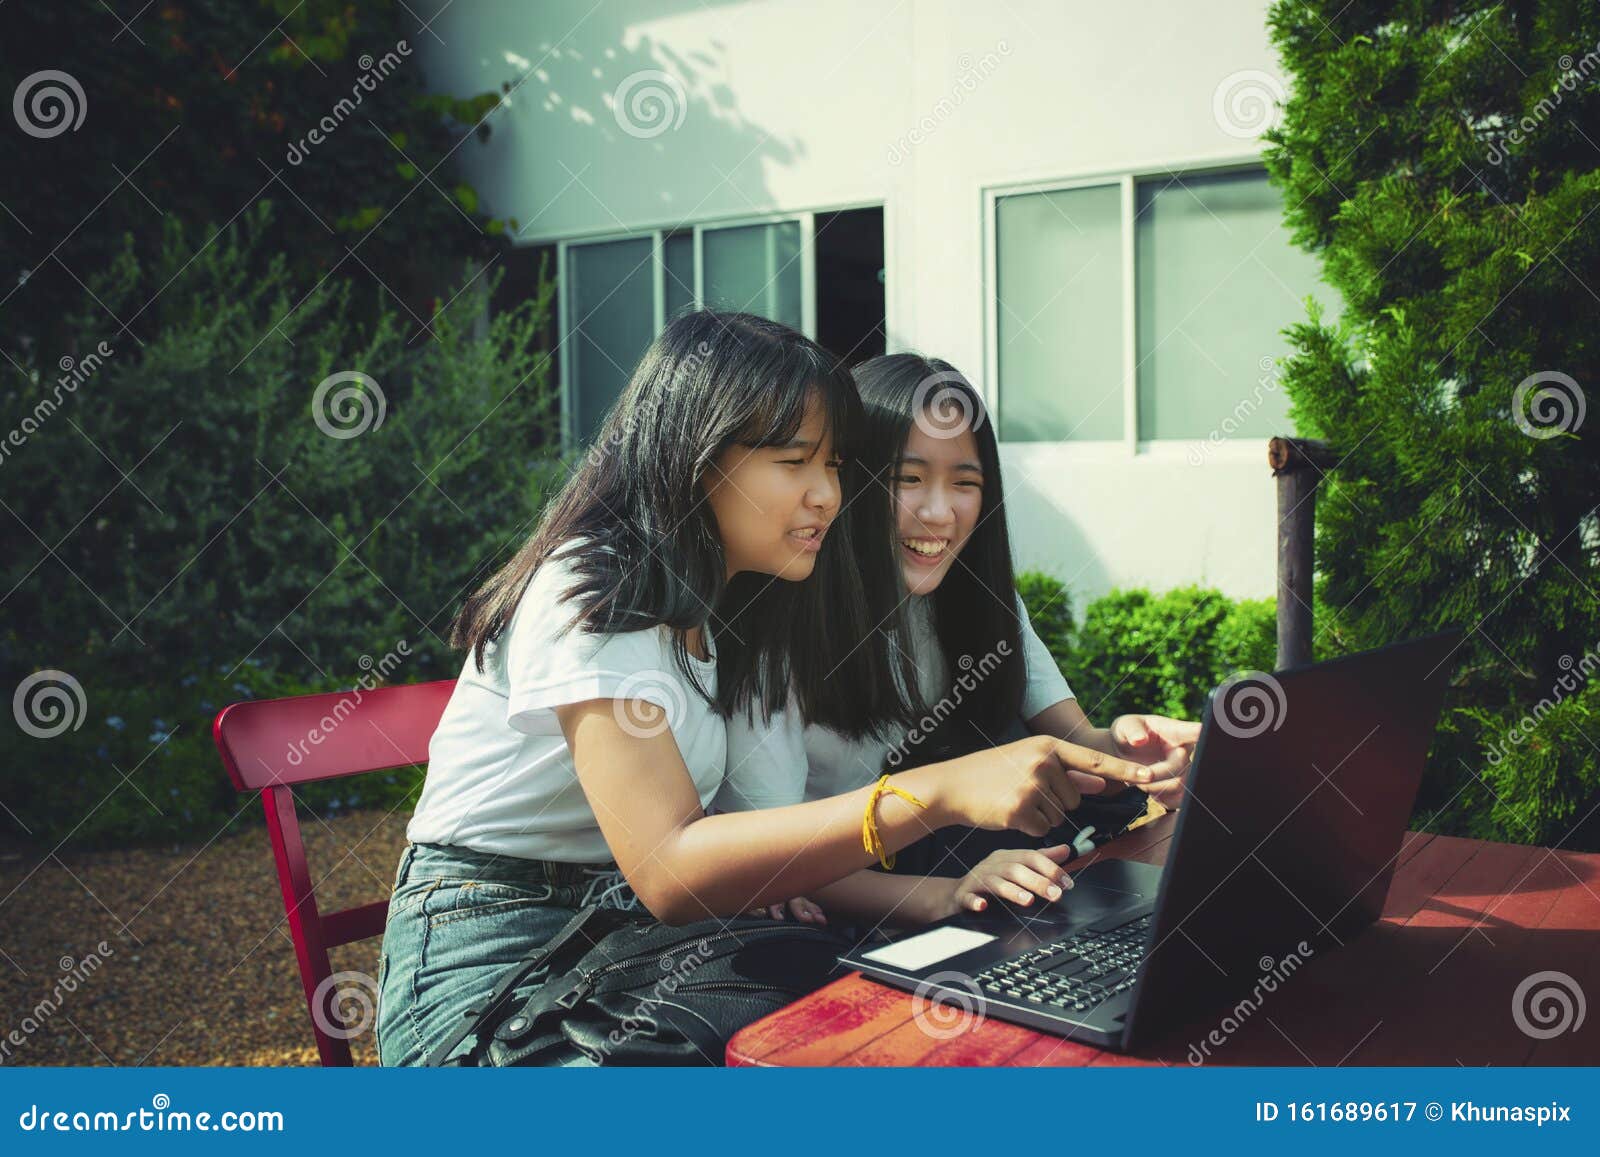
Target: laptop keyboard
column 1076, row 973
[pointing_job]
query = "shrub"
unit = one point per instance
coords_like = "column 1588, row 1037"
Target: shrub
column 1524, row 774
column 203, row 527
column 1156, row 654
column 1049, row 608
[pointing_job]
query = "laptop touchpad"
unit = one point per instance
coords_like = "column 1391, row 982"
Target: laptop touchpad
column 1103, row 887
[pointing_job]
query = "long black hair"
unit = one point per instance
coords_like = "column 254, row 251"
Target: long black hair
column 975, row 607
column 648, row 552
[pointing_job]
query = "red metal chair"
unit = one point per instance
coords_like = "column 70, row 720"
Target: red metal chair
column 270, row 745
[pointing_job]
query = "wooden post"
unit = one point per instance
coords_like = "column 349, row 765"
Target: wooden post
column 1297, row 463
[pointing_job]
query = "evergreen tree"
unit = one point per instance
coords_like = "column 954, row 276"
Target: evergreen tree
column 1443, row 159
column 195, row 110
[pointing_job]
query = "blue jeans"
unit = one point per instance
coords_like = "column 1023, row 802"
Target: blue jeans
column 458, row 921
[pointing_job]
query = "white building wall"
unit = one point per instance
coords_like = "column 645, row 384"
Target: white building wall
column 795, row 105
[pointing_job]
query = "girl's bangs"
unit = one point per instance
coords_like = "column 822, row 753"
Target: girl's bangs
column 778, row 420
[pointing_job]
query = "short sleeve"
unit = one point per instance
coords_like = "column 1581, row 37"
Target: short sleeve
column 766, row 762
column 1046, row 685
column 548, row 664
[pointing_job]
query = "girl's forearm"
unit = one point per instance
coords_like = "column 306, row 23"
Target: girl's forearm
column 728, row 863
column 1098, row 738
column 878, row 897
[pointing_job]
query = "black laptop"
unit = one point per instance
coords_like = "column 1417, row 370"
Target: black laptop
column 1301, row 791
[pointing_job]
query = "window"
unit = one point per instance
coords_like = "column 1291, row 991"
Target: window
column 1060, row 308
column 850, row 284
column 1157, row 299
column 617, row 293
column 677, row 255
column 754, row 269
column 611, row 291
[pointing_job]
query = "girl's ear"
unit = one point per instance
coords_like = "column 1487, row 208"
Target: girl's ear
column 711, row 480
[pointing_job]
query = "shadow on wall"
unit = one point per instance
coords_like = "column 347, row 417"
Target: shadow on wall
column 1045, row 537
column 597, row 111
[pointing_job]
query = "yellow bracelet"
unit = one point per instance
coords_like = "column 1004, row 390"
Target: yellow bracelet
column 870, row 839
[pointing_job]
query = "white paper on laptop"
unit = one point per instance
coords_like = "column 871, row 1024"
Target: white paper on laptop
column 927, row 948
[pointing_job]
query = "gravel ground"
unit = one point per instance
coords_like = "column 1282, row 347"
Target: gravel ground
column 201, row 968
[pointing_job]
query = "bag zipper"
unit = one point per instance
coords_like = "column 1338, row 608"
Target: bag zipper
column 742, row 986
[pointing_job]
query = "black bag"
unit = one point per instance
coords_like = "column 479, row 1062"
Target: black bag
column 622, row 989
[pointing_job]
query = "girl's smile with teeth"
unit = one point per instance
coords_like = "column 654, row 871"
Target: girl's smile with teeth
column 926, row 551
column 938, row 495
column 809, row 538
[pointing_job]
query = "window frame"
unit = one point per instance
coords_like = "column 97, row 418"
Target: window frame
column 657, row 234
column 1126, row 179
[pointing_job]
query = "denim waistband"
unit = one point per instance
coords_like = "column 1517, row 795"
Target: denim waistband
column 450, row 861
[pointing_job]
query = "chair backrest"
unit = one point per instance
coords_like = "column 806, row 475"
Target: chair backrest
column 269, row 745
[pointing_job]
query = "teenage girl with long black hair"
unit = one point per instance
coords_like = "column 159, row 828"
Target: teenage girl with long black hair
column 686, row 571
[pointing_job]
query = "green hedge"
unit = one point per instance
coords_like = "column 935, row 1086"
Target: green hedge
column 248, row 552
column 1141, row 652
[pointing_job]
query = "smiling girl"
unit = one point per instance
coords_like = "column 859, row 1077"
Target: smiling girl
column 928, row 423
column 687, row 571
column 981, row 672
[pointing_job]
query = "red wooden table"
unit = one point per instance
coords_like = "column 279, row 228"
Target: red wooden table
column 1431, row 983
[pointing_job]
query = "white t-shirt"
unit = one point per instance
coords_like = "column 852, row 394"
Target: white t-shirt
column 784, row 761
column 500, row 775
